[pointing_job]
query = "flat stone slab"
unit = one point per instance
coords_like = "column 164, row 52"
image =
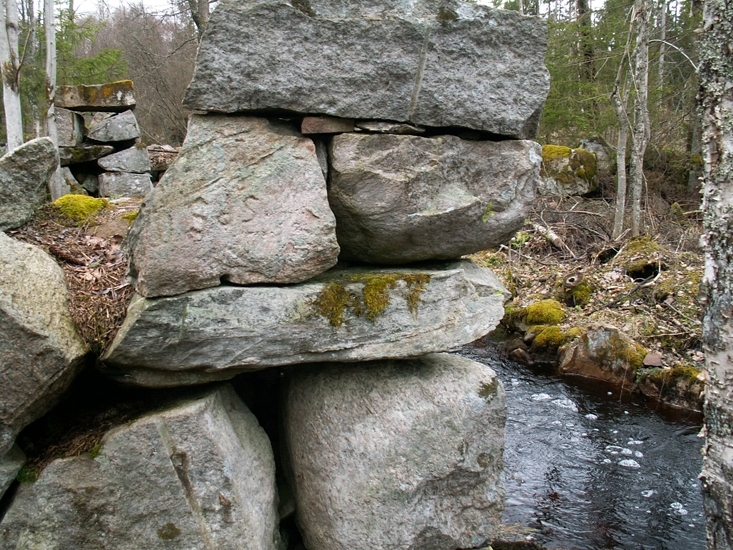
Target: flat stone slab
column 114, row 96
column 200, row 475
column 40, row 350
column 120, row 127
column 124, row 184
column 429, row 62
column 245, row 202
column 70, row 127
column 401, row 199
column 397, row 454
column 24, row 176
column 135, row 160
column 344, row 315
column 76, row 154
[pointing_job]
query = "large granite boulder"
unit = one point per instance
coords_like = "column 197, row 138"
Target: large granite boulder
column 401, row 199
column 397, row 454
column 431, row 62
column 120, row 127
column 344, row 315
column 199, row 476
column 40, row 350
column 24, row 176
column 244, row 202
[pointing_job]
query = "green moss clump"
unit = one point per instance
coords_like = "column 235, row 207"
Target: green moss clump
column 488, row 213
column 624, row 350
column 79, row 209
column 131, row 216
column 550, row 338
column 446, row 15
column 544, row 312
column 489, row 390
column 565, row 164
column 573, row 334
column 579, row 295
column 678, row 372
column 94, row 453
column 27, row 474
column 554, row 152
column 168, row 532
column 334, row 299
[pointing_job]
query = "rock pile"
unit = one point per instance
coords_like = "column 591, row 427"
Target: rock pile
column 104, row 158
column 384, row 133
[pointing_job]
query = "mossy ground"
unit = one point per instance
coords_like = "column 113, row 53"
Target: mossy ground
column 663, row 316
column 79, row 209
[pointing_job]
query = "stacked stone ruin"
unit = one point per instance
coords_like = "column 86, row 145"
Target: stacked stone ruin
column 343, row 157
column 99, row 142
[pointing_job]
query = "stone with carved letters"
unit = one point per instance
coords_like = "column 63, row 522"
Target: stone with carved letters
column 245, row 202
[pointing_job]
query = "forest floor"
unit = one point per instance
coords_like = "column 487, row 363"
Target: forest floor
column 649, row 287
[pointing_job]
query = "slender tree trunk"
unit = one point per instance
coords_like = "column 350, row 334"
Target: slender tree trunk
column 10, row 70
column 56, row 185
column 716, row 101
column 641, row 112
column 662, row 43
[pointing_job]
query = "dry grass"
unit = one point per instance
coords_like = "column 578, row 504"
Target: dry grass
column 94, row 263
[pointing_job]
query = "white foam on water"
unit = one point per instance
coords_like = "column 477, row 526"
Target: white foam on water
column 634, row 442
column 591, row 416
column 540, row 397
column 629, row 463
column 638, row 454
column 627, row 452
column 648, row 493
column 613, row 449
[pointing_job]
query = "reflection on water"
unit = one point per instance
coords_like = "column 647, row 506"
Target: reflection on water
column 587, row 470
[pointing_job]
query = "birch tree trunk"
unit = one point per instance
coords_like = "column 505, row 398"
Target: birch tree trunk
column 57, row 187
column 716, row 101
column 641, row 111
column 10, row 69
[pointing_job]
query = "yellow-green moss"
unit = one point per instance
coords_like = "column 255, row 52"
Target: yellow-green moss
column 624, row 350
column 27, row 474
column 131, row 216
column 488, row 212
column 488, row 390
column 79, row 209
column 168, row 532
column 544, row 312
column 94, row 453
column 335, row 299
column 580, row 164
column 579, row 295
column 573, row 333
column 678, row 372
column 550, row 338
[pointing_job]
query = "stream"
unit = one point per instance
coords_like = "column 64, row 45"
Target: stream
column 587, row 470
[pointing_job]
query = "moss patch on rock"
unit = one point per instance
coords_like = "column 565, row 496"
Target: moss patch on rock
column 567, row 165
column 335, row 299
column 544, row 312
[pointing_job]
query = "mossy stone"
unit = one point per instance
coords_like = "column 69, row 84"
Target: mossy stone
column 544, row 312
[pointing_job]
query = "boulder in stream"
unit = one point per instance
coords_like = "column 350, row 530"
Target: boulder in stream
column 397, row 454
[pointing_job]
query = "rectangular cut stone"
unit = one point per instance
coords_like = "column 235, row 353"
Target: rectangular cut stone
column 135, row 159
column 124, row 184
column 111, row 97
column 244, row 202
column 120, row 127
column 69, row 155
column 429, row 62
column 343, row 315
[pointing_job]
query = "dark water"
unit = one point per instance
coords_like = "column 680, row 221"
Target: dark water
column 586, row 470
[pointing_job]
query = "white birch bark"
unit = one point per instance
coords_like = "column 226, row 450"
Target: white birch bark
column 641, row 131
column 716, row 100
column 9, row 68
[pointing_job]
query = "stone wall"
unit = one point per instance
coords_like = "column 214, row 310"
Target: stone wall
column 343, row 157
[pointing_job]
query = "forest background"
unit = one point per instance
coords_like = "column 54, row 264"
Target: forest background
column 622, row 74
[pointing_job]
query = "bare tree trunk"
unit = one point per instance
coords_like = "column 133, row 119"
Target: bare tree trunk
column 10, row 70
column 640, row 136
column 620, row 98
column 716, row 100
column 662, row 43
column 56, row 185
